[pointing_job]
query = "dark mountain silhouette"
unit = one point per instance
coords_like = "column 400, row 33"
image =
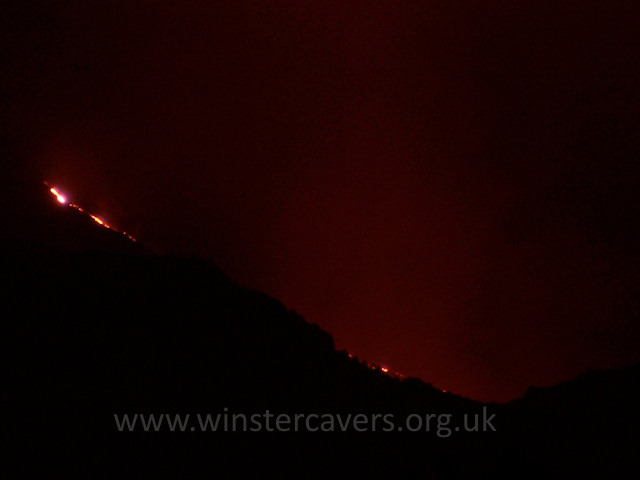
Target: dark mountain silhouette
column 96, row 325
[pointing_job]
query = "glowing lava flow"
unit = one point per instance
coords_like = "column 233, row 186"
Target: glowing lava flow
column 63, row 200
column 99, row 221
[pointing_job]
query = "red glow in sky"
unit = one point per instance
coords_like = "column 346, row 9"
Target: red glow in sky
column 450, row 189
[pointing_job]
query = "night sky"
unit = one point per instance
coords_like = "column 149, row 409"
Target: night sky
column 451, row 189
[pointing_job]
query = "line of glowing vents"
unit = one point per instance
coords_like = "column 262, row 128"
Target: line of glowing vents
column 62, row 199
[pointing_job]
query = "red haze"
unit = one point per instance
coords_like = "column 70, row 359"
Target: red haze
column 449, row 190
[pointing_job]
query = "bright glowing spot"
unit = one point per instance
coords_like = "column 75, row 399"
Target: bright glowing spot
column 97, row 220
column 384, row 369
column 61, row 198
